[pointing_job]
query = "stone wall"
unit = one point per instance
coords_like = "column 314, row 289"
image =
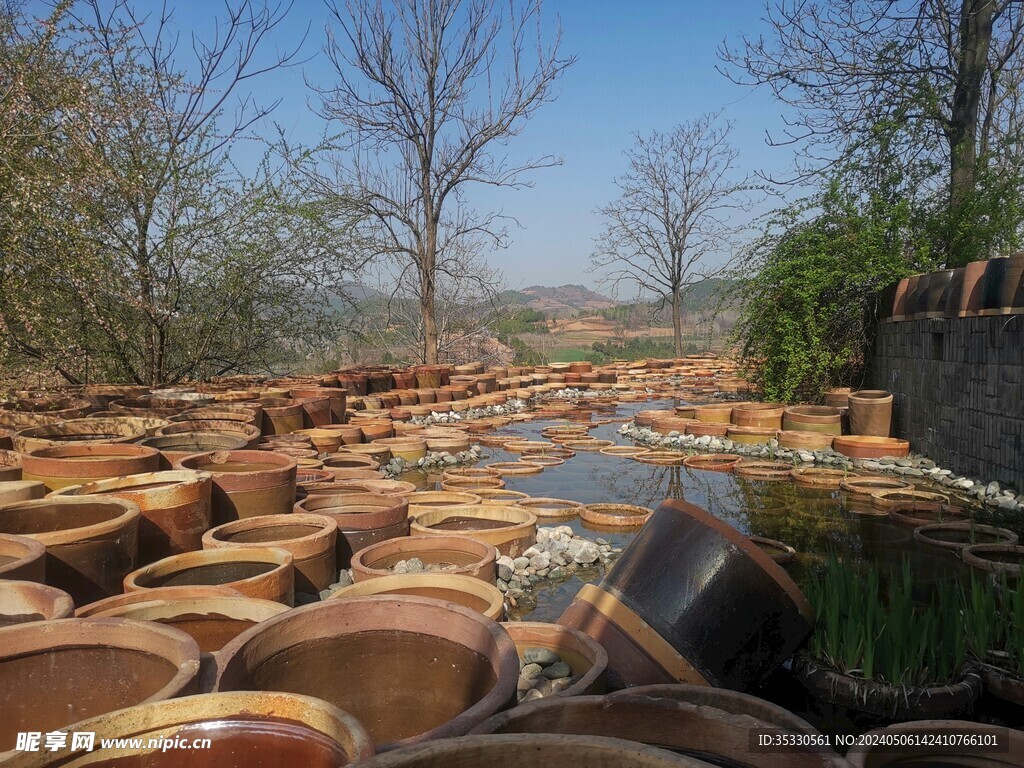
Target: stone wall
column 958, row 391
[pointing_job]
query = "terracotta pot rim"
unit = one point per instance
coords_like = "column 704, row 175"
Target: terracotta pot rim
column 59, row 603
column 178, row 482
column 363, row 562
column 60, row 460
column 129, row 514
column 283, row 472
column 599, row 662
column 24, row 548
column 307, row 545
column 459, row 582
column 282, row 559
column 156, row 593
column 404, row 611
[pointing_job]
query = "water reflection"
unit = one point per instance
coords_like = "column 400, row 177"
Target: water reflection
column 811, row 520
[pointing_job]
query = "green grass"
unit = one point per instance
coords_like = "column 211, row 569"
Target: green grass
column 570, row 355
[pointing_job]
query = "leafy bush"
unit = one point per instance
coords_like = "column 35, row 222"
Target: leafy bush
column 810, row 304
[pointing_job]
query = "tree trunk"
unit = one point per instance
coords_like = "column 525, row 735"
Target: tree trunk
column 677, row 321
column 976, row 19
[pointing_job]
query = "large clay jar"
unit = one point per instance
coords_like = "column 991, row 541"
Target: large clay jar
column 1013, row 285
column 587, row 659
column 176, row 447
column 512, row 530
column 871, row 412
column 245, row 730
column 281, row 416
column 913, row 287
column 78, row 431
column 310, row 538
column 336, row 397
column 992, row 290
column 410, row 668
column 266, row 573
column 530, row 750
column 10, row 466
column 64, row 465
column 813, row 418
column 246, row 483
column 56, row 673
column 899, row 301
column 24, row 601
column 175, row 508
column 212, row 622
column 453, row 554
column 938, row 288
column 466, row 591
column 953, row 293
column 928, row 743
column 762, row 415
column 363, row 519
column 91, row 543
column 973, row 289
column 22, row 558
column 703, row 730
column 655, row 632
column 247, row 432
column 20, row 490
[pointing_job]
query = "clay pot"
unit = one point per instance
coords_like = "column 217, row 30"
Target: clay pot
column 871, row 412
column 813, row 418
column 150, row 595
column 56, row 673
column 249, row 433
column 935, row 299
column 281, row 416
column 176, row 447
column 20, row 490
column 1012, row 299
column 913, row 288
column 953, row 293
column 316, row 411
column 22, row 558
column 653, row 632
column 175, row 508
column 992, row 286
column 711, row 462
column 212, row 622
column 424, row 500
column 957, row 536
column 246, row 730
column 335, row 396
column 25, row 601
column 311, row 539
column 472, row 484
column 865, row 486
column 838, row 397
column 751, row 435
column 700, row 429
column 263, row 572
column 763, row 415
column 511, row 530
column 10, row 466
column 318, row 650
column 363, row 519
column 531, row 750
column 323, row 440
column 587, row 659
column 861, row 447
column 995, row 558
column 349, row 458
column 246, row 483
column 375, row 430
column 475, row 594
column 221, row 413
column 546, row 508
column 697, row 730
column 464, row 556
column 807, row 441
column 63, row 465
column 90, row 543
column 713, row 414
column 871, row 700
column 922, row 743
column 973, row 289
column 410, row 449
column 779, row 551
column 899, row 302
column 77, row 431
column 615, row 515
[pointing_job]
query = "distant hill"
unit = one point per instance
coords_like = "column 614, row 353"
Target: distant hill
column 564, row 299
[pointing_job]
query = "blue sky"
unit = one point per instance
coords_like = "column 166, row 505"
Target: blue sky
column 642, row 65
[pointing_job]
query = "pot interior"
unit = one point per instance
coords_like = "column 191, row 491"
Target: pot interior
column 50, row 518
column 271, row 533
column 212, row 573
column 397, row 684
column 457, row 523
column 50, row 688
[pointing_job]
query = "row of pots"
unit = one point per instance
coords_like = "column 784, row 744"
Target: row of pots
column 982, row 288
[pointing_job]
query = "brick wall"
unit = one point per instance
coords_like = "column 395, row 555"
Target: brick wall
column 958, row 391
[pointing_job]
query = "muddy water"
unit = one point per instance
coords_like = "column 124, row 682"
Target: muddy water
column 397, row 684
column 45, row 691
column 215, row 573
column 241, row 743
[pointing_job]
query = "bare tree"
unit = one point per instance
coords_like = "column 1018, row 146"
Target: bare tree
column 429, row 92
column 950, row 67
column 673, row 213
